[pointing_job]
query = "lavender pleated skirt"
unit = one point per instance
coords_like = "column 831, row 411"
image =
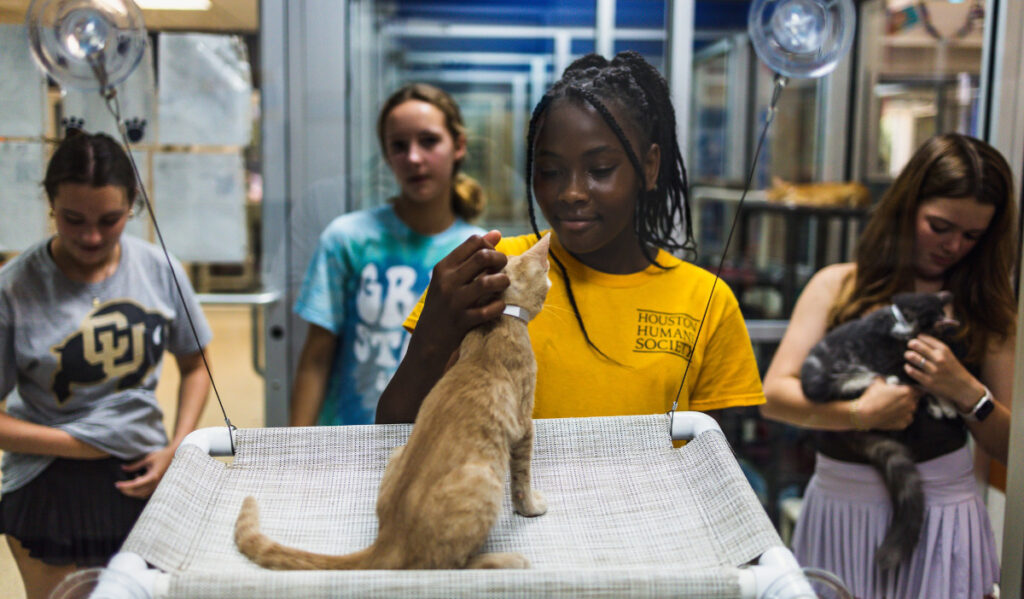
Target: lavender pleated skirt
column 846, row 512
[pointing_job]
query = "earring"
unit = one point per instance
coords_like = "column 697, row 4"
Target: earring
column 131, row 212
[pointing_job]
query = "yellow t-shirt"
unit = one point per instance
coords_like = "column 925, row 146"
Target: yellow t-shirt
column 647, row 322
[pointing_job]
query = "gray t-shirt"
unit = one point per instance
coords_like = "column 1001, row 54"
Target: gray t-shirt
column 85, row 357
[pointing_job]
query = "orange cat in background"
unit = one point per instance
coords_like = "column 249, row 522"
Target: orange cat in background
column 442, row 492
column 824, row 194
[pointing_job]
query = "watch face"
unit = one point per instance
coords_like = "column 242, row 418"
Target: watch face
column 984, row 409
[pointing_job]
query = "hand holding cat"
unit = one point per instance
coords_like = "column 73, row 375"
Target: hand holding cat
column 464, row 291
column 932, row 364
column 887, row 407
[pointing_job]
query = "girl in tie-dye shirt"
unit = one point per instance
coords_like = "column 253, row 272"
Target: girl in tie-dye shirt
column 371, row 266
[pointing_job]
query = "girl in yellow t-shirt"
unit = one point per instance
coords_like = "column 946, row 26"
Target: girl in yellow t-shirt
column 620, row 324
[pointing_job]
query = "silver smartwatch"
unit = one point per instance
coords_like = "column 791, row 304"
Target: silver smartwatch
column 982, row 409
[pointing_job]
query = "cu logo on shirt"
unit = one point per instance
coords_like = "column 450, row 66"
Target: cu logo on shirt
column 116, row 341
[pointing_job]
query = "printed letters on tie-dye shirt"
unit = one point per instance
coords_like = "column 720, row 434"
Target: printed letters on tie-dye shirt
column 381, row 305
column 367, row 274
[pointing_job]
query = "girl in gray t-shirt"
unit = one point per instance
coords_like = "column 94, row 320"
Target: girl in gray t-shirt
column 85, row 317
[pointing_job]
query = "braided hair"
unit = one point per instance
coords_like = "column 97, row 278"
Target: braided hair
column 640, row 93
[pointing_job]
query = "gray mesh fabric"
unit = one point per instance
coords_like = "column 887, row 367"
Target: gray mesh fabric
column 628, row 515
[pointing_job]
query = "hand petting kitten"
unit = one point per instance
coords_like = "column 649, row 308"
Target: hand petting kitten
column 465, row 291
column 937, row 370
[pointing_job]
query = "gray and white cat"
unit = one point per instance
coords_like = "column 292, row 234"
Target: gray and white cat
column 845, row 362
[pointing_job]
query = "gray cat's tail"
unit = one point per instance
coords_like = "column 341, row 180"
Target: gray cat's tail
column 903, row 481
column 268, row 553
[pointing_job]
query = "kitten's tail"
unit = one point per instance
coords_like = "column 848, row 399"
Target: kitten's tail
column 903, row 481
column 267, row 553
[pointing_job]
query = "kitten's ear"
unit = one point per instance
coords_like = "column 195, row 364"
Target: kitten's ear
column 539, row 251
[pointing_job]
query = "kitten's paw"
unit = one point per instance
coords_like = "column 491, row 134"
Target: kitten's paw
column 498, row 561
column 532, row 506
column 395, row 454
column 940, row 409
column 948, row 409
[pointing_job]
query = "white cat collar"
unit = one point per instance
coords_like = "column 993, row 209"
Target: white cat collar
column 516, row 312
column 902, row 326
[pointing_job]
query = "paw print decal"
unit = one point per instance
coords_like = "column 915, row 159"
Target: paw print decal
column 72, row 122
column 123, row 44
column 135, row 129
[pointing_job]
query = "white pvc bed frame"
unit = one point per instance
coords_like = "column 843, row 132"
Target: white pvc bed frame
column 775, row 564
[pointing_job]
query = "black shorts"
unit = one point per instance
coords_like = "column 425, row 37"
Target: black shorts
column 71, row 513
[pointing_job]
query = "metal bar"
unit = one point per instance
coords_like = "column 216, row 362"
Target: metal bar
column 1012, row 581
column 720, row 47
column 563, row 52
column 821, row 239
column 766, row 331
column 256, row 331
column 870, row 28
column 499, row 77
column 239, row 299
column 520, row 108
column 538, row 82
column 833, row 108
column 679, row 60
column 275, row 114
column 794, row 233
column 738, row 96
column 1002, row 82
column 1001, row 93
column 475, row 58
column 730, row 194
column 604, row 30
column 256, row 302
column 449, row 30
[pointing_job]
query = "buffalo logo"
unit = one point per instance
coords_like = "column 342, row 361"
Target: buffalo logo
column 119, row 340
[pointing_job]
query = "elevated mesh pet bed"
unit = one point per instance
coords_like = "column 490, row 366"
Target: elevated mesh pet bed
column 628, row 516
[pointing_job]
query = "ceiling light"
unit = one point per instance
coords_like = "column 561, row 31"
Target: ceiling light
column 173, row 4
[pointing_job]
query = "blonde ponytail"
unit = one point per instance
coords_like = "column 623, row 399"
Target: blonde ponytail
column 468, row 197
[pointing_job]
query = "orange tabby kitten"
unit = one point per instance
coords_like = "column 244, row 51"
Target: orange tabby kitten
column 442, row 492
column 826, row 194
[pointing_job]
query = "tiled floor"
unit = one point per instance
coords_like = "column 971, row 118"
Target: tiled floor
column 241, row 390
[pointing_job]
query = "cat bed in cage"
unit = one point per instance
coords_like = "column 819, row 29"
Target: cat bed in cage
column 628, row 515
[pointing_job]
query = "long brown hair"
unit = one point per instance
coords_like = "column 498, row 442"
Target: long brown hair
column 468, row 198
column 946, row 166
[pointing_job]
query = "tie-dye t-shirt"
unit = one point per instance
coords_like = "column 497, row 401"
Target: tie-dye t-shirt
column 368, row 271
